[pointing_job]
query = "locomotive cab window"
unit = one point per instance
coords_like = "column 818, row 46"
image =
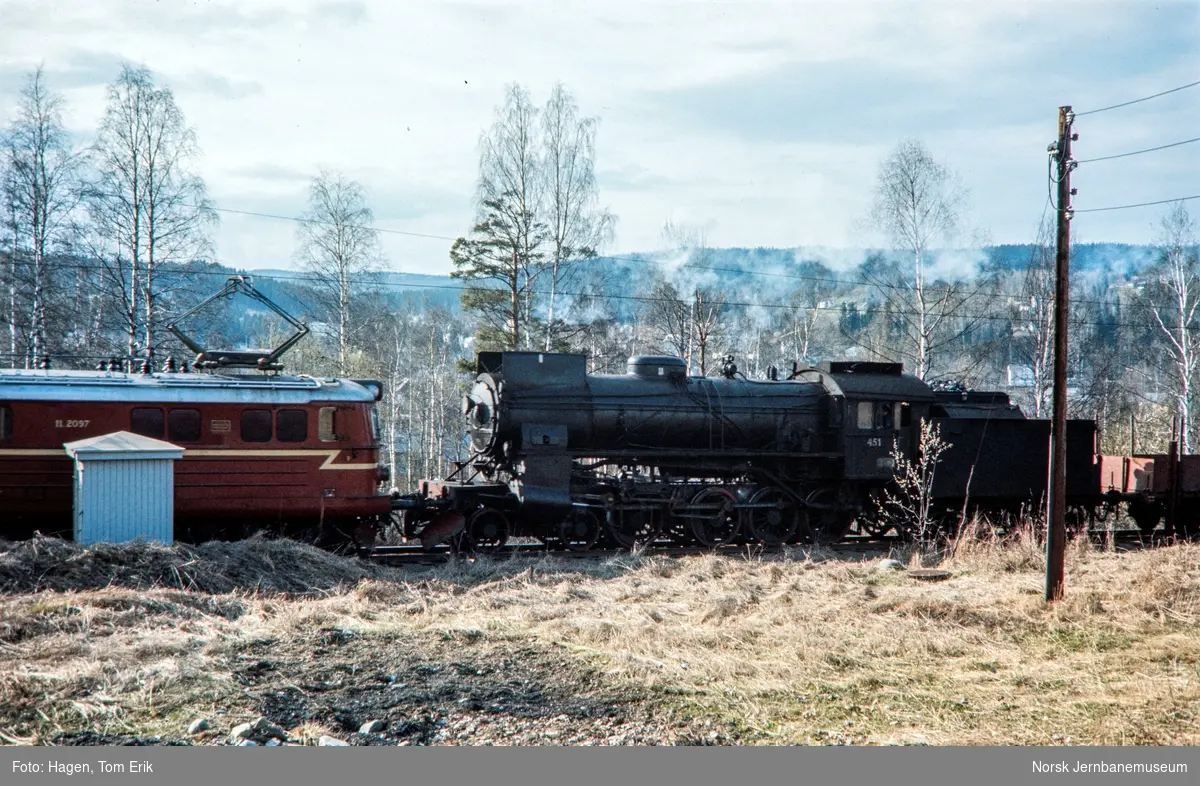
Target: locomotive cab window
column 147, row 421
column 327, row 424
column 5, row 423
column 183, row 425
column 291, row 425
column 256, row 425
column 905, row 414
column 881, row 415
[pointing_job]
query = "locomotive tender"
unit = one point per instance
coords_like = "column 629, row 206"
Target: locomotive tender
column 572, row 458
column 284, row 453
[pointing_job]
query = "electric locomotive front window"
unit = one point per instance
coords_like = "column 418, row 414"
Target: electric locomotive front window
column 291, row 425
column 5, row 423
column 183, row 425
column 256, row 425
column 327, row 424
column 147, row 421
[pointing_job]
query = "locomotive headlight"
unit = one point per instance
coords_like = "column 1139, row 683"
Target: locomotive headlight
column 476, row 412
column 479, row 406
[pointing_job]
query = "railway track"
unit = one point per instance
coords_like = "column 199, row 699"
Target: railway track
column 415, row 554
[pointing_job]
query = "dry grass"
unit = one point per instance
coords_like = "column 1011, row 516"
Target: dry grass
column 256, row 564
column 806, row 649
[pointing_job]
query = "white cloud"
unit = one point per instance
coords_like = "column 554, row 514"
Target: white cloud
column 766, row 120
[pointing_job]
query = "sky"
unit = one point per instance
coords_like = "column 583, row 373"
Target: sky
column 763, row 122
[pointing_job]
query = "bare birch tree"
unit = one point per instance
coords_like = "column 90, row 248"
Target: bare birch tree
column 708, row 322
column 1034, row 319
column 670, row 317
column 577, row 227
column 147, row 206
column 801, row 323
column 704, row 305
column 1174, row 296
column 41, row 192
column 340, row 252
column 11, row 238
column 917, row 203
column 798, row 320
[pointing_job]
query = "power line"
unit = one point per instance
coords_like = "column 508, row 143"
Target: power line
column 1139, row 152
column 613, row 257
column 597, row 258
column 1140, row 204
column 309, row 278
column 1137, row 100
column 302, row 220
column 882, row 309
column 640, row 260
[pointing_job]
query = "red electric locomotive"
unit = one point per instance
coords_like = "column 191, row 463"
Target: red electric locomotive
column 266, row 452
column 262, row 451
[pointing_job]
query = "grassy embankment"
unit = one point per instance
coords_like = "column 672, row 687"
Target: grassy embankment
column 812, row 648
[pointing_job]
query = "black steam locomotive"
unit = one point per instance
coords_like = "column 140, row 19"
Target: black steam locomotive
column 574, row 459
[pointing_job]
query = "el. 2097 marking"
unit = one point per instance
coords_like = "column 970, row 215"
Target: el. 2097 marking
column 71, row 423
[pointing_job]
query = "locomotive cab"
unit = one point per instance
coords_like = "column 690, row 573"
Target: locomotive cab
column 873, row 429
column 880, row 409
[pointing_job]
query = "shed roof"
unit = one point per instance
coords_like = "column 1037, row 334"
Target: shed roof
column 122, row 445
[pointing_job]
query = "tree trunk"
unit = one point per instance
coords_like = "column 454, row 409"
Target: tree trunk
column 12, row 305
column 550, row 310
column 515, row 282
column 149, row 348
column 37, row 321
column 343, row 319
column 430, row 468
column 39, row 310
column 922, row 339
column 408, row 464
column 132, row 309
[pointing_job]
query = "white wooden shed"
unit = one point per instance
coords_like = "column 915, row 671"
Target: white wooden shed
column 124, row 488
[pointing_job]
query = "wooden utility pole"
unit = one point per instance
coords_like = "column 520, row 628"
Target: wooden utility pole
column 1056, row 539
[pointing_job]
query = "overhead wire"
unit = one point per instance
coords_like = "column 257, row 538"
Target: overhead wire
column 1137, row 204
column 373, row 279
column 303, row 220
column 1138, row 152
column 934, row 290
column 616, row 257
column 1137, row 100
column 880, row 309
